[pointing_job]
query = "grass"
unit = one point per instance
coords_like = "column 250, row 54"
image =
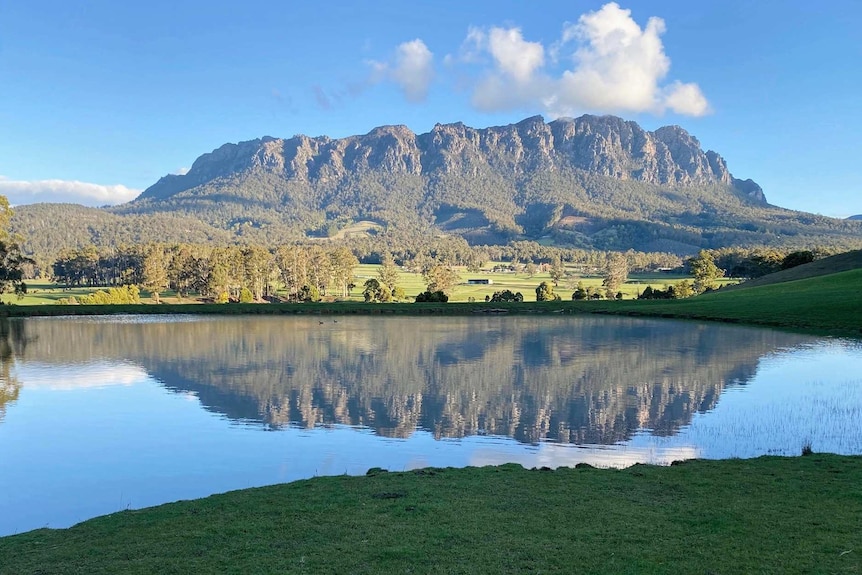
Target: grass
column 765, row 515
column 833, row 264
column 830, row 304
column 45, row 293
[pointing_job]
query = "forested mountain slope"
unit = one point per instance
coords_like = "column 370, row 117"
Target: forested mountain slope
column 590, row 182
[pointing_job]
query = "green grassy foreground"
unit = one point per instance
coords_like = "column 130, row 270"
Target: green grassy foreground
column 766, row 515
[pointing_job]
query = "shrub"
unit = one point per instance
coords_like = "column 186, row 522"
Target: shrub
column 432, row 297
column 545, row 292
column 506, row 295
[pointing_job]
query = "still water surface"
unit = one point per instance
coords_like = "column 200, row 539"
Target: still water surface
column 103, row 414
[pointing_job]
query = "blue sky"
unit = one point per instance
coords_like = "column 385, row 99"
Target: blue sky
column 99, row 98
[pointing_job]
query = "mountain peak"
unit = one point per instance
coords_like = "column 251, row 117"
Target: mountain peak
column 603, row 145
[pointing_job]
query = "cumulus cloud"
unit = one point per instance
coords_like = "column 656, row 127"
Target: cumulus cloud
column 603, row 62
column 411, row 68
column 513, row 55
column 513, row 78
column 64, row 191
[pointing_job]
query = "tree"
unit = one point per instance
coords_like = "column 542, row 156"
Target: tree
column 705, row 271
column 558, row 271
column 375, row 291
column 11, row 268
column 545, row 292
column 682, row 289
column 794, row 259
column 342, row 263
column 292, row 262
column 506, row 295
column 580, row 293
column 530, row 269
column 319, row 269
column 388, row 272
column 441, row 278
column 257, row 269
column 616, row 272
column 309, row 293
column 398, row 294
column 245, row 295
column 12, row 261
column 432, row 297
column 155, row 272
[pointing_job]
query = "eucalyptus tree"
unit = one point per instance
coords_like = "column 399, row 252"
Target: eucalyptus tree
column 705, row 271
column 616, row 272
column 188, row 269
column 257, row 270
column 545, row 292
column 376, row 291
column 319, row 268
column 558, row 270
column 441, row 278
column 224, row 280
column 292, row 264
column 342, row 263
column 388, row 272
column 155, row 270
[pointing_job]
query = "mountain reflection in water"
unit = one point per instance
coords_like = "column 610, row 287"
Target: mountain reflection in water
column 583, row 380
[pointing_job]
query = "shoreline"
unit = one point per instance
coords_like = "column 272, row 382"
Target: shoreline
column 769, row 514
column 649, row 309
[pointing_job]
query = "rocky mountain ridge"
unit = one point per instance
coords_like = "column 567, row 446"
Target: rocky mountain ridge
column 602, row 145
column 594, row 182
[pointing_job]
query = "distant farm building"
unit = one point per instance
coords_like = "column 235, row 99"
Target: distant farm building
column 480, row 282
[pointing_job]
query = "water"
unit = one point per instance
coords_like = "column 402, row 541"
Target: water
column 103, row 414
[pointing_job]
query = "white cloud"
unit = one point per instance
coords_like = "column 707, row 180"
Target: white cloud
column 412, row 69
column 514, row 56
column 564, row 455
column 514, row 80
column 64, row 191
column 686, row 99
column 87, row 375
column 610, row 64
column 181, row 171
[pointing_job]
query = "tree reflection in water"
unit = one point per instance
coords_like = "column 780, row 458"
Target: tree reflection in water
column 586, row 380
column 13, row 341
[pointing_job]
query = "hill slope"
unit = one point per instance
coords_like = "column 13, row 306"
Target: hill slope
column 838, row 263
column 824, row 304
column 591, row 182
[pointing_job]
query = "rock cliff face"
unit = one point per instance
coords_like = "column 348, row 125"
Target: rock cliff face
column 605, row 146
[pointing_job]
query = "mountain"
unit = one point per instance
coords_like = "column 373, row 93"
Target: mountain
column 856, row 217
column 580, row 380
column 607, row 146
column 590, row 182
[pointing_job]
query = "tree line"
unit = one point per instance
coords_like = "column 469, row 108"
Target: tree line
column 222, row 274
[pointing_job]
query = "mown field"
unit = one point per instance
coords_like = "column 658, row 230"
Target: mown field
column 766, row 515
column 828, row 304
column 41, row 292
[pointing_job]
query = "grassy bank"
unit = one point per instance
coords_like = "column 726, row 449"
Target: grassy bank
column 767, row 515
column 829, row 304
